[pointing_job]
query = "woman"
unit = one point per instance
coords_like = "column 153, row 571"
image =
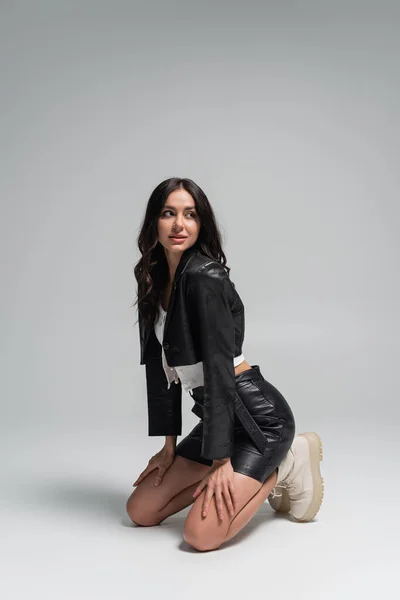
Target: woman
column 243, row 450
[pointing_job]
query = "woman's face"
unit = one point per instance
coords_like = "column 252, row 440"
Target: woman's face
column 178, row 217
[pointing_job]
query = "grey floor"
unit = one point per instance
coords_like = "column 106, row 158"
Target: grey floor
column 65, row 533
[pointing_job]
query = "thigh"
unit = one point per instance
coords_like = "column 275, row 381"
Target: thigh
column 204, row 533
column 147, row 499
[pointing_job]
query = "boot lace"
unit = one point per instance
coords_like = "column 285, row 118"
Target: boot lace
column 274, row 493
column 283, row 485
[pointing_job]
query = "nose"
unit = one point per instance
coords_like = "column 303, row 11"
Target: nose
column 178, row 223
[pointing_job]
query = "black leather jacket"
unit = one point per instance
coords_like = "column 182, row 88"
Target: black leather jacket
column 204, row 322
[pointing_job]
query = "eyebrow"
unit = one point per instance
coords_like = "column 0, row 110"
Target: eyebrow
column 185, row 208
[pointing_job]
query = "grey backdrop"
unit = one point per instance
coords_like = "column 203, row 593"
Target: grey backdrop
column 287, row 115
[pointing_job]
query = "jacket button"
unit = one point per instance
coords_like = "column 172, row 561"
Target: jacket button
column 166, row 345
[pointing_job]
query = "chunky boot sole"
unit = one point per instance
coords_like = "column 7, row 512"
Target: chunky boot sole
column 315, row 449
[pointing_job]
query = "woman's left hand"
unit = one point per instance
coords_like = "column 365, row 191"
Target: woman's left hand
column 219, row 481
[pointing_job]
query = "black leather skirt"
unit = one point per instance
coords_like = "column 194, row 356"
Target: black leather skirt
column 264, row 427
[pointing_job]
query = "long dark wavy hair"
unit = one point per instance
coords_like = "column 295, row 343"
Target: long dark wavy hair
column 151, row 271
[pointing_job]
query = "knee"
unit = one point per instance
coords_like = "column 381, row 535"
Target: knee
column 199, row 538
column 139, row 514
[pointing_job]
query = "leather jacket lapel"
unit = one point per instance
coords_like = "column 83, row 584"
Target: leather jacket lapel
column 186, row 257
column 146, row 331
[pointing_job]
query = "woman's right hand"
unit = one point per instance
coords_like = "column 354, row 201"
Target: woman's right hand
column 161, row 461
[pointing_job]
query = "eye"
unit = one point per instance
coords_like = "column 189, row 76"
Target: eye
column 163, row 214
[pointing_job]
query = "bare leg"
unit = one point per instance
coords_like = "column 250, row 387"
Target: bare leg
column 150, row 505
column 250, row 509
column 210, row 532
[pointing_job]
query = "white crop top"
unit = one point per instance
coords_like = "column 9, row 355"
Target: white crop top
column 191, row 376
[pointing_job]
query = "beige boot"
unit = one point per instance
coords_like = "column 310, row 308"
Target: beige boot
column 300, row 488
column 279, row 496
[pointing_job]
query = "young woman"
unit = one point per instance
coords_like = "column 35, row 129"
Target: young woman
column 191, row 321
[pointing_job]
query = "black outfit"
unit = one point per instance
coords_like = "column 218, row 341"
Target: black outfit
column 242, row 417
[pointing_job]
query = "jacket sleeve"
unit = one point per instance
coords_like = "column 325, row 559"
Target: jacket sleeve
column 210, row 289
column 164, row 405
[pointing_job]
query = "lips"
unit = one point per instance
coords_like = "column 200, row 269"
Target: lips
column 178, row 237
